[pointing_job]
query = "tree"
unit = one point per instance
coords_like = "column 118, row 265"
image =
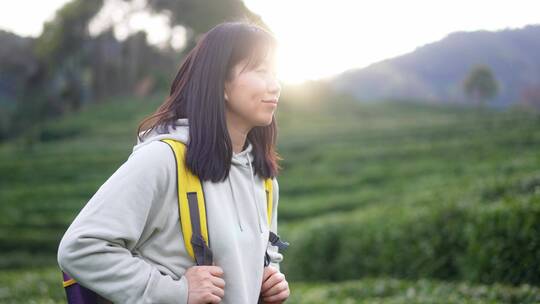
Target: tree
column 55, row 85
column 64, row 50
column 17, row 65
column 199, row 16
column 480, row 85
column 67, row 34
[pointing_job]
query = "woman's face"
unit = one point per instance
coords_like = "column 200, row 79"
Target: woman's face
column 251, row 96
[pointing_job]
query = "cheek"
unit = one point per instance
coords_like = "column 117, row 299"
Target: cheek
column 252, row 89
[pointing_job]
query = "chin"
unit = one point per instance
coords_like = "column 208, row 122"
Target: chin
column 267, row 123
column 264, row 122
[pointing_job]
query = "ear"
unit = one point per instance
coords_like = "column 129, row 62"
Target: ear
column 226, row 97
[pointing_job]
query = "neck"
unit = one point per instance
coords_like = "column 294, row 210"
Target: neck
column 238, row 133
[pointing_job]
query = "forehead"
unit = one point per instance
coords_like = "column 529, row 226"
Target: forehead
column 259, row 57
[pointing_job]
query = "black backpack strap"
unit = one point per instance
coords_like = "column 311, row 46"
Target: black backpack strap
column 203, row 254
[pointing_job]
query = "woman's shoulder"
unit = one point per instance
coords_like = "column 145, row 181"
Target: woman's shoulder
column 156, row 156
column 275, row 184
column 155, row 150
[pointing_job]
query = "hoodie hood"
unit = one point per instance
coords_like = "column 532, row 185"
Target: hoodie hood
column 239, row 161
column 181, row 133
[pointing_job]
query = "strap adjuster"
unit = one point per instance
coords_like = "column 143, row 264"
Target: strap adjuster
column 274, row 239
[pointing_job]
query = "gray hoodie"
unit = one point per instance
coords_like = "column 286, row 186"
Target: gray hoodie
column 126, row 243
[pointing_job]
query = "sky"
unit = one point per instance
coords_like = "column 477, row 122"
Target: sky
column 319, row 38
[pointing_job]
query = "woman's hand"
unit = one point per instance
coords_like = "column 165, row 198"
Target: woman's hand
column 274, row 289
column 205, row 284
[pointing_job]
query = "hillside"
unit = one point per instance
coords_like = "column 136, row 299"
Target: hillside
column 436, row 70
column 367, row 189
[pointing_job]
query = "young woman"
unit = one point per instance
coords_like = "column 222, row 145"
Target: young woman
column 126, row 244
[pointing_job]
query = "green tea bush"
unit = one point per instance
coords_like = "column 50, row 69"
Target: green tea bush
column 475, row 242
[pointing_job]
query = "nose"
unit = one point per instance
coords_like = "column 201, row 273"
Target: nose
column 274, row 87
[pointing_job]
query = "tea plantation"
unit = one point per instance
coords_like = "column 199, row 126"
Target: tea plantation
column 381, row 202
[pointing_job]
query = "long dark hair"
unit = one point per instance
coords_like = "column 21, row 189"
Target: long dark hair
column 197, row 93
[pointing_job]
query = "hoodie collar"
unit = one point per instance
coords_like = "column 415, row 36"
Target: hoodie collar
column 243, row 158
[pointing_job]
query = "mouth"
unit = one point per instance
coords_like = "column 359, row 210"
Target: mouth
column 274, row 101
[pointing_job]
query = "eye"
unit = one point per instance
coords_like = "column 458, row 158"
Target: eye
column 266, row 70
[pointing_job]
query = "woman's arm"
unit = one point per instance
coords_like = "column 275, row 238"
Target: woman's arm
column 96, row 248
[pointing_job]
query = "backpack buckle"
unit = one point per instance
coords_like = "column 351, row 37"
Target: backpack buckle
column 274, row 239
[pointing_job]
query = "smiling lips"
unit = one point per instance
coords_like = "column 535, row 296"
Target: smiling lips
column 274, row 101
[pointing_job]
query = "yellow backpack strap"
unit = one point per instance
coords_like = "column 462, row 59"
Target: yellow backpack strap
column 192, row 208
column 273, row 238
column 269, row 199
column 67, row 280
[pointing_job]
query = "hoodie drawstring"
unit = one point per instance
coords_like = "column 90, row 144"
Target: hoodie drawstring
column 254, row 199
column 235, row 205
column 254, row 196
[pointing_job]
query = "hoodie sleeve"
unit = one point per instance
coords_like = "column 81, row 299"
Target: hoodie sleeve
column 96, row 248
column 275, row 256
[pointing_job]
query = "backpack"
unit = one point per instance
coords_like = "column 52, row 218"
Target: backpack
column 192, row 210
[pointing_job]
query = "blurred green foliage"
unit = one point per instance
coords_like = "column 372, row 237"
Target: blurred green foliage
column 44, row 286
column 368, row 191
